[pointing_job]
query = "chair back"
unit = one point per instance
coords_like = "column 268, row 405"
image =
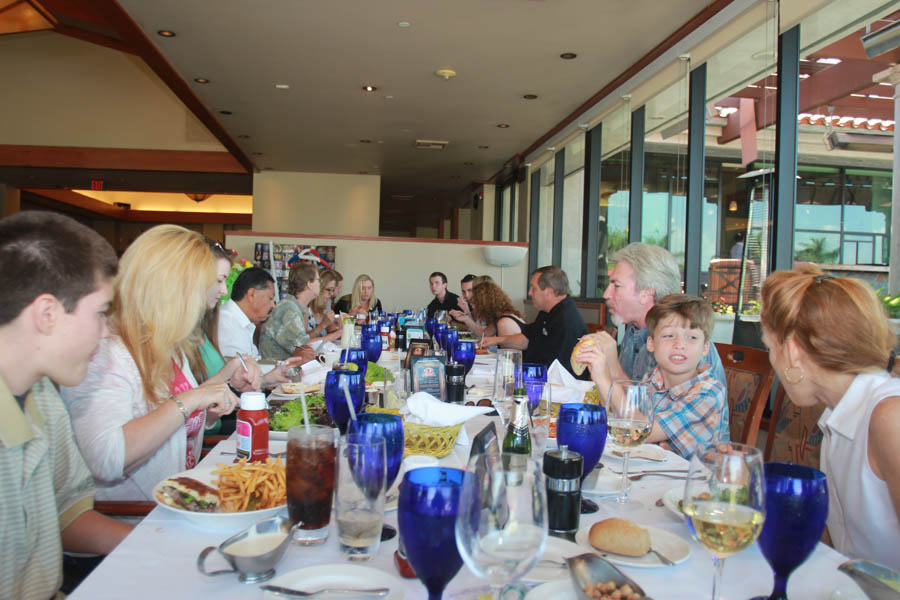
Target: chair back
column 794, row 435
column 612, row 330
column 749, row 377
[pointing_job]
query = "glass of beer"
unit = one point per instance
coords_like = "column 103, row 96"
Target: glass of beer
column 311, row 465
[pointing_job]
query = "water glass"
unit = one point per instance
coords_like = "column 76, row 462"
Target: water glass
column 464, row 353
column 390, row 427
column 358, row 357
column 335, row 400
column 369, row 329
column 630, row 412
column 724, row 501
column 310, row 475
column 371, row 343
column 501, row 528
column 440, row 330
column 451, row 336
column 540, row 422
column 507, row 375
column 426, row 516
column 582, row 427
column 796, row 510
column 429, row 325
column 359, row 505
column 535, row 376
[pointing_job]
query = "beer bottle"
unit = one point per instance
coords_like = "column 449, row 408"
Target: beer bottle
column 518, row 439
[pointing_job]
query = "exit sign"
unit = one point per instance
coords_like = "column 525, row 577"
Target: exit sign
column 97, row 184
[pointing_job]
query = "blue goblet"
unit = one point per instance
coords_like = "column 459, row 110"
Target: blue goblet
column 429, row 325
column 358, row 357
column 368, row 329
column 535, row 376
column 450, row 337
column 371, row 343
column 426, row 516
column 464, row 353
column 796, row 509
column 440, row 330
column 390, row 427
column 335, row 401
column 582, row 427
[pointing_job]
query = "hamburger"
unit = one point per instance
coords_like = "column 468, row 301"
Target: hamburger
column 578, row 367
column 189, row 494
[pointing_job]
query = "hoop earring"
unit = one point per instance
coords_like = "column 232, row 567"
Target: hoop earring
column 792, row 380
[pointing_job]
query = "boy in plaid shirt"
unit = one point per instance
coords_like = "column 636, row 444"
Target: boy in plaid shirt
column 691, row 404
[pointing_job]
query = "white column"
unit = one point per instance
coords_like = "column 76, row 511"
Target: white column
column 892, row 76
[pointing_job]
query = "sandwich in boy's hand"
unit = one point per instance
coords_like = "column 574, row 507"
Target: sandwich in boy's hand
column 189, row 494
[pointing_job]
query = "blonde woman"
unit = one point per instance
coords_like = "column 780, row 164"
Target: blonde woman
column 362, row 300
column 139, row 415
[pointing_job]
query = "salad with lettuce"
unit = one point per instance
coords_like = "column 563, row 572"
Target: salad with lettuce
column 290, row 413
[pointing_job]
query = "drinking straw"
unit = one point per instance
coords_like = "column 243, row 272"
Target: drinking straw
column 305, row 413
column 345, row 383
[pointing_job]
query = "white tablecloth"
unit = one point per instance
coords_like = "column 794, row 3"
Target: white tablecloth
column 158, row 560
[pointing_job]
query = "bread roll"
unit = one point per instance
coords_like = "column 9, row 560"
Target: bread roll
column 620, row 536
column 577, row 366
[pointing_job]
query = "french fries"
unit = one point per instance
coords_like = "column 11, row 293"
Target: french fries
column 251, row 486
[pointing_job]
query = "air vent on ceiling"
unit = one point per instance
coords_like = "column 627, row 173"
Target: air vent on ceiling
column 431, row 144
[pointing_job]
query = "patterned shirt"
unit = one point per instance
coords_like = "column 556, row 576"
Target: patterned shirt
column 44, row 487
column 637, row 361
column 285, row 330
column 691, row 413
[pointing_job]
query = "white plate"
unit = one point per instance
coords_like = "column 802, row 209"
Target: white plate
column 479, row 392
column 231, row 521
column 650, row 452
column 338, row 575
column 602, row 482
column 312, row 388
column 671, row 499
column 674, row 547
column 556, row 549
column 558, row 589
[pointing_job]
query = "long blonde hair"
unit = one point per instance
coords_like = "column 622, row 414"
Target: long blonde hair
column 356, row 297
column 319, row 305
column 159, row 299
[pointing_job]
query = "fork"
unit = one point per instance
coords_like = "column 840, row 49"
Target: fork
column 672, row 474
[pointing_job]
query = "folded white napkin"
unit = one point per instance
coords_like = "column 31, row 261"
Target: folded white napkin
column 565, row 387
column 314, row 372
column 425, row 409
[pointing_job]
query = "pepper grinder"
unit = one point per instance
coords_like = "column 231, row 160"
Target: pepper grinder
column 563, row 470
column 456, row 382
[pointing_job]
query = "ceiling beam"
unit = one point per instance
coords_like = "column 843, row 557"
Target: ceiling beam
column 72, row 157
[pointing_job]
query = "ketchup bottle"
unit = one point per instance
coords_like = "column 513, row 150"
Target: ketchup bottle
column 253, row 427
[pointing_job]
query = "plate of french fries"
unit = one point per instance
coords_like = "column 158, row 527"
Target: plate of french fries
column 247, row 493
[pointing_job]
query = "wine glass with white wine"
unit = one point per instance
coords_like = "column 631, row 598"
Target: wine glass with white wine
column 724, row 501
column 629, row 414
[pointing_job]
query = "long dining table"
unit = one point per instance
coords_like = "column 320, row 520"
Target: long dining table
column 159, row 558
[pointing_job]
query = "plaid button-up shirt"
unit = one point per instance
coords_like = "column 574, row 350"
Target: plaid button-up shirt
column 691, row 413
column 637, row 361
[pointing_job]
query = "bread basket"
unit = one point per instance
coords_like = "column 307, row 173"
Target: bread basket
column 424, row 439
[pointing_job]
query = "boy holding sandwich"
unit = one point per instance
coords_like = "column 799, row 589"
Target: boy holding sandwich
column 691, row 404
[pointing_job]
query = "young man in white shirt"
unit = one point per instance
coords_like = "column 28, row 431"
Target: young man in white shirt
column 252, row 301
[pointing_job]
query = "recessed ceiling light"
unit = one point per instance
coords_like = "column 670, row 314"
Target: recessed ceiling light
column 224, row 112
column 201, row 79
column 468, row 164
column 369, row 88
column 403, row 24
column 388, row 97
column 166, row 33
column 530, row 96
column 405, row 130
column 483, row 147
column 503, row 125
column 365, row 141
column 243, row 136
column 567, row 55
column 282, row 86
column 445, row 74
column 380, row 142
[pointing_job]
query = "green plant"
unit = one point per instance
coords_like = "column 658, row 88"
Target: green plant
column 891, row 303
column 751, row 308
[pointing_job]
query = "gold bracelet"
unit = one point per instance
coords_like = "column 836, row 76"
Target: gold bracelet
column 184, row 412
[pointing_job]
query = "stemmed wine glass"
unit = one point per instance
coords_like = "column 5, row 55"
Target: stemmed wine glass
column 507, row 376
column 582, row 427
column 535, row 376
column 429, row 325
column 335, row 401
column 541, row 416
column 426, row 515
column 371, row 343
column 501, row 527
column 630, row 410
column 358, row 357
column 796, row 509
column 450, row 337
column 464, row 353
column 724, row 500
column 390, row 427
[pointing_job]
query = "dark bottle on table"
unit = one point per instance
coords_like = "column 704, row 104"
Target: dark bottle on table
column 518, row 438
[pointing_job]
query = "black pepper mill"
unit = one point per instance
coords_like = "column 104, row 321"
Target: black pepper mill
column 456, row 382
column 563, row 470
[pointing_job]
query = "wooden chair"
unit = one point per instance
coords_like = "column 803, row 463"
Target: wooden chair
column 794, row 435
column 610, row 329
column 749, row 377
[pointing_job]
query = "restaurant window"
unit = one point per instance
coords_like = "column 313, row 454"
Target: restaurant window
column 615, row 167
column 545, row 216
column 573, row 210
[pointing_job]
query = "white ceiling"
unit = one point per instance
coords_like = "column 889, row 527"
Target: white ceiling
column 327, row 50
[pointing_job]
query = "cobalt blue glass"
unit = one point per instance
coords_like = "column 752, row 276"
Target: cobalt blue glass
column 366, row 457
column 390, row 427
column 426, row 516
column 796, row 509
column 535, row 376
column 429, row 325
column 464, row 353
column 440, row 329
column 371, row 343
column 450, row 338
column 335, row 401
column 582, row 427
column 358, row 357
column 368, row 329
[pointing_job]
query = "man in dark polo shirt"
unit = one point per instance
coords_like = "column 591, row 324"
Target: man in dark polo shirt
column 443, row 300
column 557, row 327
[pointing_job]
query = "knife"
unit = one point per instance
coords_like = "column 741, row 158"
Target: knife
column 292, row 593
